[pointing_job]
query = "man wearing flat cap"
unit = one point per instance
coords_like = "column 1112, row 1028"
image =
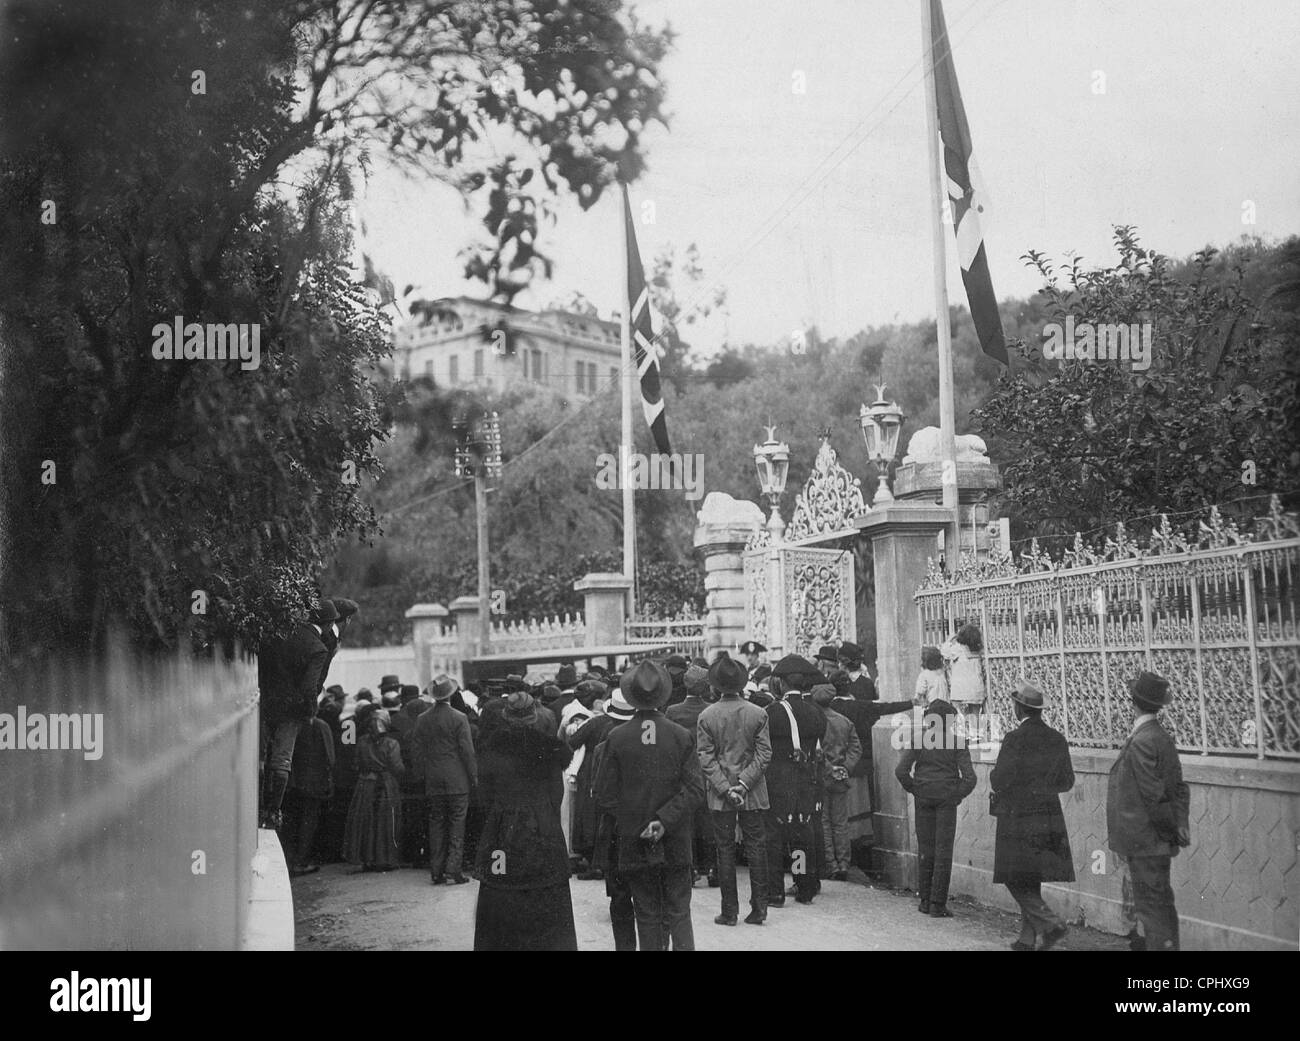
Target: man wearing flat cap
column 1147, row 805
column 796, row 729
column 649, row 779
column 734, row 750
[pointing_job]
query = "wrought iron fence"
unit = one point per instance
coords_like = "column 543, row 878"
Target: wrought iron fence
column 684, row 635
column 1215, row 613
column 135, row 826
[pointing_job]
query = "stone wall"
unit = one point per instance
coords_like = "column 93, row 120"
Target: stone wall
column 1237, row 887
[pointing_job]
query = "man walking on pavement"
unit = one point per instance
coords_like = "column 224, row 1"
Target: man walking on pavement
column 796, row 730
column 734, row 750
column 1147, row 805
column 650, row 781
column 444, row 750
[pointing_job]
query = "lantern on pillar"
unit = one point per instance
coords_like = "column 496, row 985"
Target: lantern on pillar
column 881, row 422
column 772, row 461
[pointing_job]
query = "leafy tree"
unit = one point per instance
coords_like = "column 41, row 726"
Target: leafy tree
column 201, row 158
column 1085, row 444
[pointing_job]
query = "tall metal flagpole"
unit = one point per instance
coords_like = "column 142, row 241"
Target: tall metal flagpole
column 938, row 197
column 629, row 387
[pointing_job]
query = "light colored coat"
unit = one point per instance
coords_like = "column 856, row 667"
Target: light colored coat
column 965, row 674
column 734, row 747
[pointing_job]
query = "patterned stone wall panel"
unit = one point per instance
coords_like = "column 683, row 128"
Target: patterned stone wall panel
column 1085, row 700
column 819, row 598
column 754, row 566
column 1229, row 699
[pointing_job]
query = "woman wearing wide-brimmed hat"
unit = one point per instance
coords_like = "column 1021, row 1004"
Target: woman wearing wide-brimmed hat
column 370, row 837
column 1032, row 845
column 524, row 902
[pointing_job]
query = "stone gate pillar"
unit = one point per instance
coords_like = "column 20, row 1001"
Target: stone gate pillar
column 724, row 527
column 902, row 536
column 604, row 610
column 464, row 611
column 427, row 621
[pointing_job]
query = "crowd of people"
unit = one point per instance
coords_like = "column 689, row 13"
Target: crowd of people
column 670, row 774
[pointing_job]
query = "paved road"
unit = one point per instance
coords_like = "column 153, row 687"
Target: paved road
column 341, row 910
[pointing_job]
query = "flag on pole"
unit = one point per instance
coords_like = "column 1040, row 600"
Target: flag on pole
column 965, row 191
column 644, row 348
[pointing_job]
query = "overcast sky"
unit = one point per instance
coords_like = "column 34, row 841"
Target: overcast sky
column 1199, row 114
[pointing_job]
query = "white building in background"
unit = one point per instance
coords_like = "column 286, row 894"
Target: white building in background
column 462, row 342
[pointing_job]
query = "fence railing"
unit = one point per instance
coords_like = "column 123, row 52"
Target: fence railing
column 685, row 635
column 1215, row 614
column 129, row 804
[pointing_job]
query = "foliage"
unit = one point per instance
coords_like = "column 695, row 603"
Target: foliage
column 230, row 205
column 1084, row 444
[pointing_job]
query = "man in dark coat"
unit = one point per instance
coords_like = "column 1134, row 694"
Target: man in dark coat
column 332, row 633
column 792, row 781
column 734, row 750
column 686, row 714
column 1147, row 809
column 1032, row 845
column 676, row 664
column 841, row 750
column 311, row 783
column 650, row 780
column 752, row 651
column 444, row 751
column 567, row 680
column 415, row 812
column 289, row 677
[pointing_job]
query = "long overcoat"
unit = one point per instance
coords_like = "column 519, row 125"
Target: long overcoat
column 1033, row 768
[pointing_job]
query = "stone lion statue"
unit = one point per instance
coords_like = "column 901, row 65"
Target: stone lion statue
column 924, row 447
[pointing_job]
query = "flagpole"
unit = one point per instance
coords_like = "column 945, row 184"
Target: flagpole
column 629, row 387
column 938, row 196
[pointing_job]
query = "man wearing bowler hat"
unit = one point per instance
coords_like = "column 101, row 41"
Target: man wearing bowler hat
column 828, row 658
column 1147, row 805
column 650, row 781
column 734, row 750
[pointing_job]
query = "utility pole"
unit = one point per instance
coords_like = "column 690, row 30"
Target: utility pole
column 478, row 455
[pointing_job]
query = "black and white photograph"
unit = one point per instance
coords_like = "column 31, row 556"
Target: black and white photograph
column 692, row 475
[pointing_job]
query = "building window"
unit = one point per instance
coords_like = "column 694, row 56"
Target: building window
column 478, row 364
column 537, row 365
column 453, row 369
column 582, row 377
column 428, row 368
column 592, row 377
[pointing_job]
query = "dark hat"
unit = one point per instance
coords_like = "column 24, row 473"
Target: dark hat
column 850, row 651
column 520, row 709
column 827, row 652
column 346, row 608
column 324, row 613
column 549, row 693
column 727, row 676
column 647, row 686
column 823, row 694
column 567, row 676
column 795, row 665
column 391, row 700
column 1027, row 694
column 1150, row 691
column 443, row 687
column 676, row 663
column 588, row 691
column 752, row 647
column 762, row 672
column 336, row 690
column 409, row 692
column 364, row 694
column 389, row 683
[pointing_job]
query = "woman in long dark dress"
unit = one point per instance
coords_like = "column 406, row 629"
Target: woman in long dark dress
column 524, row 902
column 1032, row 845
column 370, row 837
column 586, row 813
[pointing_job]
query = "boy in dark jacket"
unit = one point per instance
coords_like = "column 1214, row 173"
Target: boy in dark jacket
column 936, row 769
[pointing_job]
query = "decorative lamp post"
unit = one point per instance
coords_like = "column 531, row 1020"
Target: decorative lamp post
column 772, row 461
column 881, row 422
